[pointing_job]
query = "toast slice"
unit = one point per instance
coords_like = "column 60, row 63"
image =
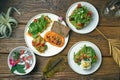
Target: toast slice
column 60, row 29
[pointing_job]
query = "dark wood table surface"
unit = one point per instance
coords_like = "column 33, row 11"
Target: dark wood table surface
column 108, row 70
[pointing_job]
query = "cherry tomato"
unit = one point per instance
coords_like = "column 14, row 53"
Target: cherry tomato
column 79, row 6
column 89, row 13
column 38, row 44
column 22, row 51
column 27, row 65
column 35, row 20
column 29, row 57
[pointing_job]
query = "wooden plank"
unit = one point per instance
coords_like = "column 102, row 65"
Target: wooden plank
column 62, row 77
column 17, row 39
column 30, row 8
column 108, row 70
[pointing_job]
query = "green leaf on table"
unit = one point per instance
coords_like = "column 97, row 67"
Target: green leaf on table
column 55, row 64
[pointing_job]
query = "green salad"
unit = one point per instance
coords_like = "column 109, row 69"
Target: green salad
column 80, row 17
column 87, row 53
column 39, row 25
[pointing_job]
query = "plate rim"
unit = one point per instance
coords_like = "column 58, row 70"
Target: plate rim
column 70, row 25
column 40, row 54
column 100, row 61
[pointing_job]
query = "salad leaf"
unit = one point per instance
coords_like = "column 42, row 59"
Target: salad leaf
column 19, row 68
column 39, row 25
column 87, row 53
column 80, row 17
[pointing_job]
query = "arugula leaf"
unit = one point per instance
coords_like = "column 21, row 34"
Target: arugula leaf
column 80, row 16
column 39, row 26
column 86, row 50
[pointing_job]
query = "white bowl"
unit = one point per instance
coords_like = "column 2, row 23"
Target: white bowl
column 93, row 23
column 31, row 60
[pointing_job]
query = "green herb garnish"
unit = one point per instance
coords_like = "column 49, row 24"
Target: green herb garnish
column 16, row 55
column 19, row 68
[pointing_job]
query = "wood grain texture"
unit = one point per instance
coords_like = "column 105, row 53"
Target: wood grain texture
column 106, row 71
column 109, row 70
column 17, row 39
column 30, row 8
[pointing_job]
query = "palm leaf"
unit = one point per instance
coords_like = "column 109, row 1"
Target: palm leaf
column 113, row 42
column 114, row 47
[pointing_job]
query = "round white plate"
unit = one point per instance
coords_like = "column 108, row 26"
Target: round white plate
column 10, row 56
column 52, row 50
column 91, row 26
column 75, row 67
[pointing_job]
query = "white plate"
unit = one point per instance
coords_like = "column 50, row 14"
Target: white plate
column 91, row 26
column 52, row 50
column 10, row 56
column 75, row 67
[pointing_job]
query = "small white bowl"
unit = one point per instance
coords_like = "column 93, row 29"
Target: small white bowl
column 27, row 52
column 93, row 23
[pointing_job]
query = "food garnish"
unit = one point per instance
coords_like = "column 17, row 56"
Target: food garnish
column 85, row 57
column 7, row 23
column 60, row 29
column 21, row 61
column 39, row 25
column 60, row 19
column 80, row 17
column 54, row 39
column 39, row 44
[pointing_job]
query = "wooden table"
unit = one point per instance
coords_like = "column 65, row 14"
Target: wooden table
column 109, row 70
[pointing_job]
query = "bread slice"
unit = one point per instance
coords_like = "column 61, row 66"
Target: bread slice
column 60, row 29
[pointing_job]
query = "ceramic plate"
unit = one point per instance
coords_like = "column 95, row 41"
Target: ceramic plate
column 52, row 50
column 29, row 64
column 93, row 23
column 75, row 67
